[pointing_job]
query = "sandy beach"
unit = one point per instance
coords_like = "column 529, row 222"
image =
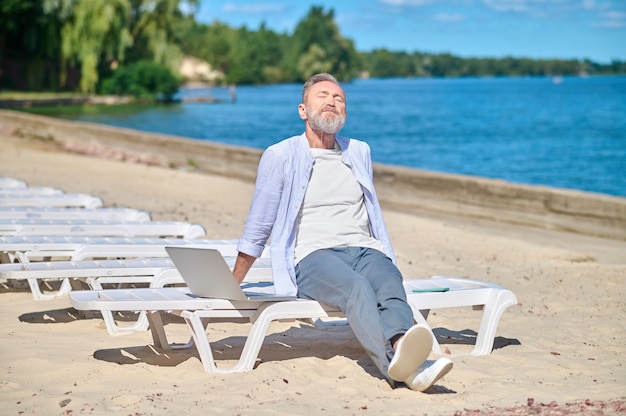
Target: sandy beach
column 559, row 351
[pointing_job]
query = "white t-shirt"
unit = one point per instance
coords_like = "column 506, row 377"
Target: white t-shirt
column 333, row 213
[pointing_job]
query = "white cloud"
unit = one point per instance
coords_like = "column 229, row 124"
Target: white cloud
column 589, row 4
column 613, row 19
column 417, row 3
column 508, row 5
column 596, row 5
column 545, row 5
column 448, row 17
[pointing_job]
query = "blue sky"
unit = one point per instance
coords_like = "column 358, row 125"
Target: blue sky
column 594, row 29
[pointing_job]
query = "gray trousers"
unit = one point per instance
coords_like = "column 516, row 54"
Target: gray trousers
column 364, row 284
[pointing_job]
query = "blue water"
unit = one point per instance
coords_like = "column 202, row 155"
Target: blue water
column 569, row 134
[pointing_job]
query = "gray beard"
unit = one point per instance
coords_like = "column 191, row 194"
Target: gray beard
column 328, row 125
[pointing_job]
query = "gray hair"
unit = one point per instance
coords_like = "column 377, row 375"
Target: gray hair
column 314, row 80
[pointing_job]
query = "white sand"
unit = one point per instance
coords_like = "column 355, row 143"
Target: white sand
column 564, row 342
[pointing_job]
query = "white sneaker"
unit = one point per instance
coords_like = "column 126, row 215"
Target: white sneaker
column 429, row 373
column 413, row 349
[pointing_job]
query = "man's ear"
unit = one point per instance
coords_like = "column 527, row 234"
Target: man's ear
column 302, row 111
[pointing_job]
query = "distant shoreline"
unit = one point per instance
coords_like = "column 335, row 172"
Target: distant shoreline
column 62, row 100
column 400, row 188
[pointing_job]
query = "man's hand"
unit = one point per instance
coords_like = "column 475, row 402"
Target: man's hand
column 242, row 265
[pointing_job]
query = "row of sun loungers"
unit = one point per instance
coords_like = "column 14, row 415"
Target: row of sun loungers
column 82, row 248
column 26, row 227
column 52, row 213
column 12, row 183
column 94, row 261
column 16, row 200
column 28, row 191
column 72, row 238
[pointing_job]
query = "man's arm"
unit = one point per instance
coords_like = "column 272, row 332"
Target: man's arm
column 262, row 215
column 242, row 265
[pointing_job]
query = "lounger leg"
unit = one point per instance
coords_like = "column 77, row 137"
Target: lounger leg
column 65, row 288
column 489, row 322
column 34, row 283
column 265, row 314
column 5, row 257
column 201, row 341
column 112, row 327
column 159, row 337
column 248, row 355
column 250, row 349
column 158, row 330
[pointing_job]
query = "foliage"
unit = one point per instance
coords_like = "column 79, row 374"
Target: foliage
column 264, row 56
column 98, row 32
column 319, row 47
column 254, row 57
column 52, row 36
column 382, row 63
column 144, row 80
column 28, row 41
column 65, row 44
column 156, row 26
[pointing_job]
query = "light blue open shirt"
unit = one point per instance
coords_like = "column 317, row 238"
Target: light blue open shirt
column 282, row 179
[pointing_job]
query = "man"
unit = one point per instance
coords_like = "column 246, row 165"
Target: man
column 315, row 197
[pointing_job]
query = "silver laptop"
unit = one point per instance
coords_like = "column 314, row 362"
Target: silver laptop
column 207, row 275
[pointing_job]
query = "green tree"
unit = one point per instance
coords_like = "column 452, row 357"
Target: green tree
column 30, row 37
column 98, row 32
column 157, row 27
column 244, row 62
column 382, row 63
column 51, row 44
column 145, row 80
column 270, row 51
column 314, row 60
column 217, row 45
column 317, row 43
column 192, row 37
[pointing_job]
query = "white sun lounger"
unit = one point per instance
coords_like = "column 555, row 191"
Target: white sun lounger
column 155, row 272
column 11, row 183
column 101, row 228
column 115, row 265
column 64, row 200
column 228, row 248
column 140, row 270
column 491, row 298
column 49, row 248
column 136, row 270
column 97, row 214
column 259, row 273
column 34, row 191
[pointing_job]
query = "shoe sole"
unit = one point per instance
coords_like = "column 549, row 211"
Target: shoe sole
column 437, row 374
column 413, row 349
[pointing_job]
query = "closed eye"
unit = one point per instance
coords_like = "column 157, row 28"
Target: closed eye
column 337, row 96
